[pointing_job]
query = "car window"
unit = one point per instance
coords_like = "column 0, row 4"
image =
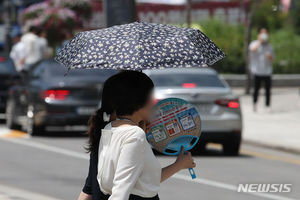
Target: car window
column 38, row 71
column 7, row 66
column 57, row 70
column 186, row 79
column 51, row 69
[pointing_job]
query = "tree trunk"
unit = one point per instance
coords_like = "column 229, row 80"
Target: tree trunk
column 248, row 27
column 246, row 51
column 119, row 12
column 188, row 8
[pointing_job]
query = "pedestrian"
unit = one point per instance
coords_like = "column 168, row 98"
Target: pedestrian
column 32, row 47
column 17, row 53
column 44, row 48
column 261, row 58
column 68, row 35
column 125, row 167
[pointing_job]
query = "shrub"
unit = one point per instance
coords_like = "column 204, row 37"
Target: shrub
column 230, row 38
column 56, row 17
column 269, row 15
column 286, row 45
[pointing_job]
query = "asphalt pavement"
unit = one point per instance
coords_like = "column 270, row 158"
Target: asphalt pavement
column 55, row 167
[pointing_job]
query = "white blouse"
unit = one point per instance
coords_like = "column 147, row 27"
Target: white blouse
column 127, row 164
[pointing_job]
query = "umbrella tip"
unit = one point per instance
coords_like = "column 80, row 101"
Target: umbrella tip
column 67, row 71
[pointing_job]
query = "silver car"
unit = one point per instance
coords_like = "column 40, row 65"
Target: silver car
column 219, row 109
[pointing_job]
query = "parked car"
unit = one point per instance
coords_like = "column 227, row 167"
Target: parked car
column 46, row 98
column 8, row 77
column 219, row 109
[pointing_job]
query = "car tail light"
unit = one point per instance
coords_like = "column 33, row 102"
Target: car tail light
column 55, row 94
column 230, row 103
column 2, row 59
column 188, row 85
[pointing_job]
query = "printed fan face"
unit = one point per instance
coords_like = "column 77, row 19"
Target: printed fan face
column 175, row 123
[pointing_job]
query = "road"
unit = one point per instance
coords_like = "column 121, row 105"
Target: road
column 54, row 168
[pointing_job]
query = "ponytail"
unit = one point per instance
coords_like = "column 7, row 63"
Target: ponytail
column 96, row 122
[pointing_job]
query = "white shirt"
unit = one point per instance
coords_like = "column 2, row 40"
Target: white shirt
column 43, row 46
column 18, row 54
column 259, row 64
column 32, row 46
column 127, row 164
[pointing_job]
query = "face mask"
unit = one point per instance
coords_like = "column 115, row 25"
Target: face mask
column 264, row 37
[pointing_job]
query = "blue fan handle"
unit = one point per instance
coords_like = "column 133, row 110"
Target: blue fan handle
column 191, row 170
column 192, row 173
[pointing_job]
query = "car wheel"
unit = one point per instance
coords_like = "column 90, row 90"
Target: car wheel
column 231, row 146
column 10, row 113
column 31, row 128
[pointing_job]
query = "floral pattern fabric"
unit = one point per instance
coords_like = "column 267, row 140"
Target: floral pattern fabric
column 139, row 46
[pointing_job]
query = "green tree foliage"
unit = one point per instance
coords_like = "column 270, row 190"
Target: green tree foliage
column 286, row 44
column 295, row 15
column 269, row 15
column 230, row 38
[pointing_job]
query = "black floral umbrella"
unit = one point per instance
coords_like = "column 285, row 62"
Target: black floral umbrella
column 139, row 46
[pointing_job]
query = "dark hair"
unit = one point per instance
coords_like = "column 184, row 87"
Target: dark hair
column 33, row 29
column 18, row 35
column 38, row 30
column 261, row 28
column 123, row 93
column 132, row 92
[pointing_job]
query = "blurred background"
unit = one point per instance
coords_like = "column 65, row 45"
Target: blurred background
column 245, row 138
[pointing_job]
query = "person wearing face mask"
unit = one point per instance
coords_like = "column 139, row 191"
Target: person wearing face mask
column 261, row 58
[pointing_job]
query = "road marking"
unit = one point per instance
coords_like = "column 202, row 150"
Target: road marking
column 259, row 155
column 20, row 134
column 13, row 134
column 228, row 187
column 11, row 193
column 270, row 157
column 84, row 156
column 46, row 147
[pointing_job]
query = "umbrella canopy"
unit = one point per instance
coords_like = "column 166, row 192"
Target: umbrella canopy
column 139, row 46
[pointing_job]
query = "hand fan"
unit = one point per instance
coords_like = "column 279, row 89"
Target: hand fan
column 175, row 123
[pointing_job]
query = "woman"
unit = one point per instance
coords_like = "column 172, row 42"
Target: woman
column 127, row 167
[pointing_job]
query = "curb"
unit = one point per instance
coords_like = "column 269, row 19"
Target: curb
column 278, row 80
column 271, row 146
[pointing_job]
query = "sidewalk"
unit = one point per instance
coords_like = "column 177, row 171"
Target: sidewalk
column 278, row 80
column 278, row 129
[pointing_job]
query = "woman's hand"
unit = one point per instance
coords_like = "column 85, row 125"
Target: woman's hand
column 185, row 160
column 84, row 196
